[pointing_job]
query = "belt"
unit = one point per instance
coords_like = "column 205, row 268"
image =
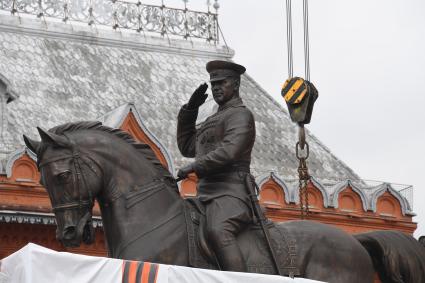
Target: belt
column 238, row 167
column 223, row 174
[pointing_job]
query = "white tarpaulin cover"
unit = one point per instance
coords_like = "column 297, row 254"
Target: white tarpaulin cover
column 36, row 264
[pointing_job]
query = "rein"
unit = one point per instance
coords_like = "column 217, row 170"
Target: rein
column 76, row 158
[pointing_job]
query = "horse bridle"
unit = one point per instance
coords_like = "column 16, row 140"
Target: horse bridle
column 76, row 157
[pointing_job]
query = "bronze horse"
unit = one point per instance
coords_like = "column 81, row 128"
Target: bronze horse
column 143, row 213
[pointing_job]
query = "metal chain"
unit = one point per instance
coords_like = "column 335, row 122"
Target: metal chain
column 307, row 208
column 303, row 190
column 301, row 193
column 303, row 175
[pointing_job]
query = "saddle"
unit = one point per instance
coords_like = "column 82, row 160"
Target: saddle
column 201, row 254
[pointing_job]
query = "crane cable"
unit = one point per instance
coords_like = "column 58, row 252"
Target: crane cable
column 289, row 39
column 306, row 41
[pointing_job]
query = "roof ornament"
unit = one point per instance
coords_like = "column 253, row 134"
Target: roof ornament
column 125, row 15
column 216, row 6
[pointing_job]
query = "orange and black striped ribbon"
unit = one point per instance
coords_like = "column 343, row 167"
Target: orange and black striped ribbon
column 139, row 272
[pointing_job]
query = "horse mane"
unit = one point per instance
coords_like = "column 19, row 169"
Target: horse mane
column 143, row 148
column 91, row 125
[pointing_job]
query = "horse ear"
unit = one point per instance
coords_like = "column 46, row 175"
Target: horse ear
column 32, row 144
column 51, row 138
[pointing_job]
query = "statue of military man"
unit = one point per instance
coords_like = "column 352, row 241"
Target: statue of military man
column 222, row 148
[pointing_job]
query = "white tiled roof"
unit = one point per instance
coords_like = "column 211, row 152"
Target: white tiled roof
column 63, row 73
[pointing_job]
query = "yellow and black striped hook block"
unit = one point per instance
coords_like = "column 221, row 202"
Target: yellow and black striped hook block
column 299, row 95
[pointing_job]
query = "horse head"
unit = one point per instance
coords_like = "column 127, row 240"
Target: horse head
column 83, row 161
column 72, row 179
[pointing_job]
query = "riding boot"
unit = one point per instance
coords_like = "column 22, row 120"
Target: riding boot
column 231, row 259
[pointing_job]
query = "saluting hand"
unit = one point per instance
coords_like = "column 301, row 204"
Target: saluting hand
column 198, row 97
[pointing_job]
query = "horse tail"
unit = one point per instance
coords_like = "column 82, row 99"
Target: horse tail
column 397, row 257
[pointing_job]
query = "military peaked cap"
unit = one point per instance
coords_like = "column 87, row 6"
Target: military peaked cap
column 220, row 70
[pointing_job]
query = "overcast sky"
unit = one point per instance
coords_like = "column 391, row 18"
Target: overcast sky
column 367, row 59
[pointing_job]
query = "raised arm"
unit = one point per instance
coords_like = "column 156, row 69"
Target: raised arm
column 186, row 120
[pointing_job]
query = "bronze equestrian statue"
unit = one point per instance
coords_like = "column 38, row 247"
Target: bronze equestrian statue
column 144, row 217
column 222, row 149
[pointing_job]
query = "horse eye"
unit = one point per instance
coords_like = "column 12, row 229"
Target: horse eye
column 64, row 177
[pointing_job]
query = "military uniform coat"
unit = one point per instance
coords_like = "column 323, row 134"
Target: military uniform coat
column 222, row 148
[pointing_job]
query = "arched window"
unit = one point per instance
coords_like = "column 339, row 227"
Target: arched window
column 349, row 201
column 315, row 198
column 21, row 167
column 271, row 194
column 388, row 205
